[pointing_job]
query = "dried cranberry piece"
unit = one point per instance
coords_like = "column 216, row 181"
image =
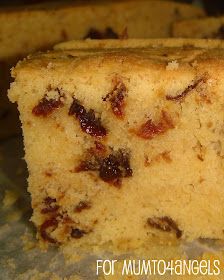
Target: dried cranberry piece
column 49, row 200
column 88, row 121
column 46, row 106
column 96, row 34
column 99, row 148
column 165, row 224
column 114, row 167
column 117, row 99
column 109, row 170
column 50, row 209
column 46, row 225
column 182, row 95
column 77, row 233
column 91, row 164
column 50, row 205
column 93, row 158
column 149, row 129
column 82, row 205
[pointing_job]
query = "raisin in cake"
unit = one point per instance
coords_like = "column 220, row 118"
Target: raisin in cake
column 208, row 27
column 122, row 144
column 57, row 22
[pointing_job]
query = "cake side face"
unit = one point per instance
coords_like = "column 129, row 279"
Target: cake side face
column 207, row 27
column 123, row 145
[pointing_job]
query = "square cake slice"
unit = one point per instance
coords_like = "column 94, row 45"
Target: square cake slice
column 122, row 144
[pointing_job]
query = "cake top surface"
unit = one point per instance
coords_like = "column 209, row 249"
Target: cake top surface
column 126, row 52
column 175, row 60
column 176, row 55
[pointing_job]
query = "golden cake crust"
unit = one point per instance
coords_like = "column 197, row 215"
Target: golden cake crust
column 183, row 50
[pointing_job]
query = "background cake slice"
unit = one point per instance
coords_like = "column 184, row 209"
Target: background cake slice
column 208, row 27
column 52, row 23
column 124, row 144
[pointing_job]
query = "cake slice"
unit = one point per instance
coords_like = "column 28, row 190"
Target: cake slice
column 57, row 22
column 208, row 27
column 123, row 144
